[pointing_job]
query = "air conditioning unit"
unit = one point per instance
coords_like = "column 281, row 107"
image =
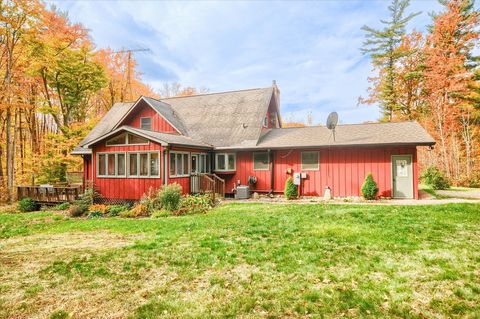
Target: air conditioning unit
column 243, row 192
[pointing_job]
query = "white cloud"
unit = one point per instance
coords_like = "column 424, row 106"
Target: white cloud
column 310, row 48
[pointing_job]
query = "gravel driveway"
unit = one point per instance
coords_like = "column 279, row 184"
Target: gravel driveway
column 471, row 193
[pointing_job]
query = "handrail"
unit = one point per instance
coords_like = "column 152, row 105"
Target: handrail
column 50, row 194
column 207, row 183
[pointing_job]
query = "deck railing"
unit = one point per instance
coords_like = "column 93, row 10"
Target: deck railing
column 204, row 183
column 50, row 194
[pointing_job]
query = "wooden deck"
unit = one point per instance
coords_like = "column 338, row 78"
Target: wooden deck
column 50, row 194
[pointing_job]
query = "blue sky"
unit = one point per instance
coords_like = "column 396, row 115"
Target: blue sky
column 310, row 48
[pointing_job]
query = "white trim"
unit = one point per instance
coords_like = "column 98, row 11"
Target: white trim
column 226, row 162
column 268, row 161
column 188, row 163
column 391, row 174
column 130, row 130
column 310, row 169
column 133, row 107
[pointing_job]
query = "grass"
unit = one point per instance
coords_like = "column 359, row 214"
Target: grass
column 245, row 261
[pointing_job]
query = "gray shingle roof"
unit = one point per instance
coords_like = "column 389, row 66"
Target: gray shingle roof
column 233, row 120
column 223, row 119
column 106, row 124
column 405, row 133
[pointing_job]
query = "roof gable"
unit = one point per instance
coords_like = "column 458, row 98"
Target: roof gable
column 163, row 109
column 107, row 122
column 163, row 139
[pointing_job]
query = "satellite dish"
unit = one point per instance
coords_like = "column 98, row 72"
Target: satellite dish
column 332, row 121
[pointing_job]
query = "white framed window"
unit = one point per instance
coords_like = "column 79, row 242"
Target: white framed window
column 261, row 161
column 146, row 123
column 225, row 162
column 120, row 139
column 126, row 139
column 310, row 161
column 111, row 165
column 179, row 164
column 204, row 163
column 143, row 164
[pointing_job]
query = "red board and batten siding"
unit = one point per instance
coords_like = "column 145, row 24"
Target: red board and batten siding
column 342, row 169
column 126, row 188
column 244, row 169
column 159, row 124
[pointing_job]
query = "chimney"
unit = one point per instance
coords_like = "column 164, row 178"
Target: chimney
column 276, row 93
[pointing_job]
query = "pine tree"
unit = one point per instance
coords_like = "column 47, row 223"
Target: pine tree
column 382, row 45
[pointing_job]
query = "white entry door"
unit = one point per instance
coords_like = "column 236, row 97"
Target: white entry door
column 402, row 175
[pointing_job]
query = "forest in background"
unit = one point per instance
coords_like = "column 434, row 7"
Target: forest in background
column 434, row 78
column 55, row 85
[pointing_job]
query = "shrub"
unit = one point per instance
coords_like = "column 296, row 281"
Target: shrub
column 27, row 205
column 138, row 210
column 87, row 199
column 102, row 209
column 169, row 196
column 195, row 204
column 369, row 188
column 115, row 210
column 474, row 180
column 291, row 190
column 150, row 200
column 434, row 178
column 76, row 211
column 62, row 206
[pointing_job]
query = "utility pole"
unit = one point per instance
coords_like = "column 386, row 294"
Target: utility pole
column 128, row 85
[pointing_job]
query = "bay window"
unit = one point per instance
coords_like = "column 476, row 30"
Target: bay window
column 225, row 161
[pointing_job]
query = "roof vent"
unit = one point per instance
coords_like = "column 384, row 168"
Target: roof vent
column 244, row 125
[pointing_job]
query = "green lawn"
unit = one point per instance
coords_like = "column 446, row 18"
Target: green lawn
column 245, row 261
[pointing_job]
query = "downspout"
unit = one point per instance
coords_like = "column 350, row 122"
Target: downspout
column 272, row 175
column 165, row 163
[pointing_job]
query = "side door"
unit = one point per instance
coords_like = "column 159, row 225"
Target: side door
column 402, row 176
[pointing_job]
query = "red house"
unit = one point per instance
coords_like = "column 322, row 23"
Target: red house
column 238, row 137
